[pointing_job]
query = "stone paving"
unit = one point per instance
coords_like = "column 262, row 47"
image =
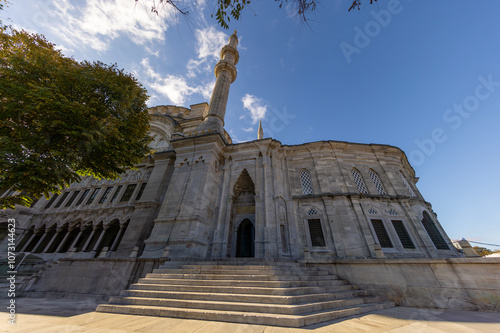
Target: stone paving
column 69, row 315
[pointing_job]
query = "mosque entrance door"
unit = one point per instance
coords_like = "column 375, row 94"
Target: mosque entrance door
column 245, row 240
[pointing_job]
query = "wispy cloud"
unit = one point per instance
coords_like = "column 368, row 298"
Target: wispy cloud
column 256, row 107
column 97, row 23
column 209, row 42
column 175, row 88
column 248, row 130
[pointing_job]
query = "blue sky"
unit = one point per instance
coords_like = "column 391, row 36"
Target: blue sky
column 420, row 75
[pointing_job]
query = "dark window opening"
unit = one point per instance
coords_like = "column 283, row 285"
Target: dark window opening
column 79, row 202
column 316, row 232
column 403, row 235
column 128, row 192
column 434, row 233
column 382, row 235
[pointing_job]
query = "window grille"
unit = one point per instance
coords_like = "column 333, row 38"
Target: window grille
column 73, row 197
column 403, row 235
column 92, row 196
column 377, row 182
column 115, row 195
column 382, row 235
column 63, row 197
column 312, row 211
column 305, row 180
column 105, row 195
column 393, row 212
column 316, row 233
column 372, row 211
column 128, row 192
column 79, row 202
column 406, row 184
column 359, row 181
column 434, row 233
column 51, row 201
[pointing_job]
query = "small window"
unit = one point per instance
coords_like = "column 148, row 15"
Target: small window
column 63, row 197
column 51, row 201
column 408, row 187
column 377, row 182
column 93, row 195
column 115, row 195
column 393, row 212
column 434, row 233
column 316, row 233
column 84, row 194
column 73, row 197
column 141, row 190
column 372, row 211
column 105, row 195
column 128, row 192
column 403, row 235
column 359, row 181
column 382, row 235
column 305, row 180
column 312, row 211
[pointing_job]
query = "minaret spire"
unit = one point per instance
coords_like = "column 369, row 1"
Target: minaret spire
column 260, row 132
column 225, row 72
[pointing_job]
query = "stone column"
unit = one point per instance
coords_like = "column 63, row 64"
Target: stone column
column 28, row 242
column 118, row 235
column 64, row 240
column 96, row 246
column 40, row 241
column 76, row 239
column 51, row 241
column 89, row 239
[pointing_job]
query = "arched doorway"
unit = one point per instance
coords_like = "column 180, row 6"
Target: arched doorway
column 241, row 242
column 245, row 240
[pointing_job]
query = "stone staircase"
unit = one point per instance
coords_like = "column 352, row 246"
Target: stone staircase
column 283, row 293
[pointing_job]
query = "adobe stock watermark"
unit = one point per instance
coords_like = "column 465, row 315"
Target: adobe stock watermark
column 278, row 122
column 454, row 117
column 363, row 37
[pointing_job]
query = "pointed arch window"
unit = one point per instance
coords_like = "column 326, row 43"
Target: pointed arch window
column 377, row 182
column 434, row 233
column 359, row 181
column 305, row 181
column 403, row 178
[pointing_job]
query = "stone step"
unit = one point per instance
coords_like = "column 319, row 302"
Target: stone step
column 261, row 277
column 240, row 283
column 243, row 317
column 245, row 307
column 224, row 271
column 246, row 298
column 342, row 285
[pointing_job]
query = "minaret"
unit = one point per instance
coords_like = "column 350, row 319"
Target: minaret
column 260, row 132
column 225, row 72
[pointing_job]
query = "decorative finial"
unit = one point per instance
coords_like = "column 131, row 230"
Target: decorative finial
column 260, row 131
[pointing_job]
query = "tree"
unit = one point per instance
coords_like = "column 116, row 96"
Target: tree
column 61, row 119
column 232, row 9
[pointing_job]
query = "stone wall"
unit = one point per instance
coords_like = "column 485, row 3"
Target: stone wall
column 458, row 283
column 91, row 277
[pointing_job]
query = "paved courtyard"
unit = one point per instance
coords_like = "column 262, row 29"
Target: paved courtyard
column 68, row 315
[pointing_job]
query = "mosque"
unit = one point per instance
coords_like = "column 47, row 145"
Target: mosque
column 202, row 198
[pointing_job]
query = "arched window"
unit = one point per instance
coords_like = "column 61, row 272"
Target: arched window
column 377, row 182
column 434, row 233
column 305, row 180
column 359, row 181
column 406, row 184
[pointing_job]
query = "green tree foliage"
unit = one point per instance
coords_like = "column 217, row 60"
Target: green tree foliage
column 225, row 10
column 61, row 119
column 482, row 251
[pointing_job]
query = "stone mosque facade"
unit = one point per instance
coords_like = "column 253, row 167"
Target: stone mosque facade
column 202, row 196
